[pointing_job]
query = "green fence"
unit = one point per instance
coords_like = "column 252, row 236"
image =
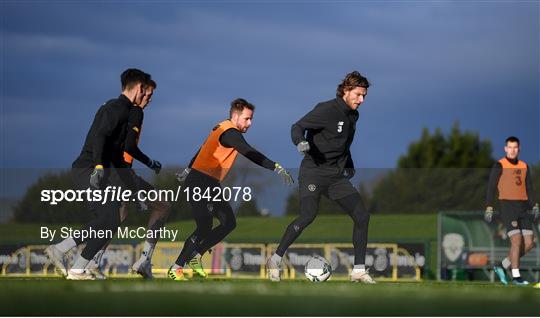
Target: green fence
column 468, row 247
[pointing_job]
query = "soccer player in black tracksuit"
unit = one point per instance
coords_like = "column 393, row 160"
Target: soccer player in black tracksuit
column 510, row 178
column 159, row 210
column 324, row 136
column 103, row 149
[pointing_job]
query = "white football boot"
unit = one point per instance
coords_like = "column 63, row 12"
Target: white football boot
column 273, row 270
column 362, row 277
column 93, row 268
column 143, row 267
column 85, row 275
column 57, row 258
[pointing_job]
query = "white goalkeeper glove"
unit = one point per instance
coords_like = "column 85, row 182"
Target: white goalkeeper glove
column 181, row 176
column 303, row 147
column 488, row 215
column 284, row 174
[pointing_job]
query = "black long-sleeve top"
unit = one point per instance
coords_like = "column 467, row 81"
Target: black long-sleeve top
column 104, row 143
column 329, row 128
column 135, row 121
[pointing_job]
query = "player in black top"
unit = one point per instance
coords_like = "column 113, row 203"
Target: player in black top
column 135, row 122
column 324, row 136
column 159, row 209
column 103, row 149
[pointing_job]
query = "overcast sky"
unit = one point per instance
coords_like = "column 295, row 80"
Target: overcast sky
column 431, row 64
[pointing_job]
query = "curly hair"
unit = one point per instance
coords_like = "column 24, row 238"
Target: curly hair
column 352, row 80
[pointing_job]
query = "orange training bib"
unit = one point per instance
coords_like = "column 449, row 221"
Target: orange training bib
column 512, row 181
column 214, row 159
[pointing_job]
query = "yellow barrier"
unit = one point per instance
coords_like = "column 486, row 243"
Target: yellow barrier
column 227, row 260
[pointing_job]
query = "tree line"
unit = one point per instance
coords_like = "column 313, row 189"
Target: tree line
column 438, row 172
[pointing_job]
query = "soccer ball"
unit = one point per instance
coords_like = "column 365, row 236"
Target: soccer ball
column 317, row 269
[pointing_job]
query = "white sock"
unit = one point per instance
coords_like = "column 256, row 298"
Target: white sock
column 98, row 256
column 80, row 265
column 92, row 264
column 506, row 263
column 96, row 260
column 515, row 273
column 176, row 266
column 148, row 250
column 360, row 268
column 66, row 245
column 276, row 258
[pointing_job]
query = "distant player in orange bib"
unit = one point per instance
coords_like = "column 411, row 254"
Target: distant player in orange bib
column 511, row 178
column 206, row 171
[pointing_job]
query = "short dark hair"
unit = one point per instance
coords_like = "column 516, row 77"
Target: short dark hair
column 238, row 106
column 512, row 139
column 151, row 83
column 132, row 77
column 352, row 80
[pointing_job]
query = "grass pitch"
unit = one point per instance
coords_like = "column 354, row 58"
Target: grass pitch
column 161, row 297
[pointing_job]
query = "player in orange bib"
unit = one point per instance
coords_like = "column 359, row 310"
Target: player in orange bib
column 206, row 171
column 511, row 178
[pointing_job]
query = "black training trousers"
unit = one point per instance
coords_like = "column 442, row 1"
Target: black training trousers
column 338, row 189
column 106, row 216
column 205, row 237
